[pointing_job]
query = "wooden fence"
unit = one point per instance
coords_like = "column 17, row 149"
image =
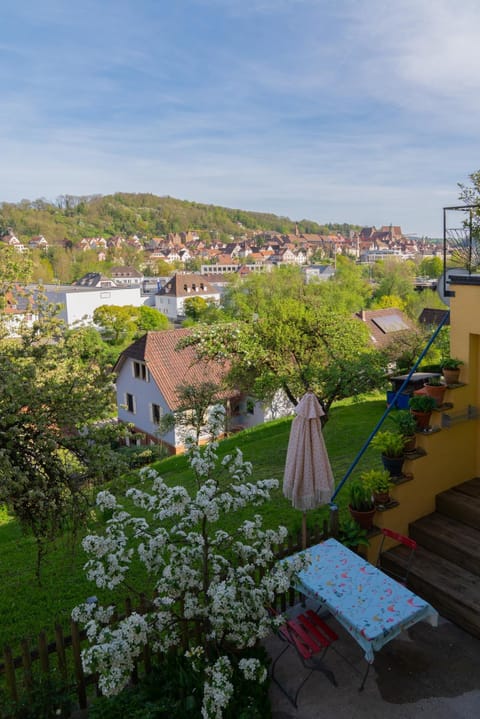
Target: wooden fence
column 61, row 655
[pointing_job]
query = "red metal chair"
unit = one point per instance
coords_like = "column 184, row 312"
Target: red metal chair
column 400, row 576
column 310, row 637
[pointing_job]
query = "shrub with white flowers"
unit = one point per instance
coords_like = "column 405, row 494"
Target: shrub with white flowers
column 209, row 582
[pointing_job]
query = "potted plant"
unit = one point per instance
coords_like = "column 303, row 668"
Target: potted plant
column 351, row 535
column 407, row 426
column 362, row 506
column 392, row 447
column 434, row 387
column 421, row 406
column 451, row 370
column 379, row 482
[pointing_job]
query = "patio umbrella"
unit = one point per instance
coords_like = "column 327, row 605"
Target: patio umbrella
column 308, row 479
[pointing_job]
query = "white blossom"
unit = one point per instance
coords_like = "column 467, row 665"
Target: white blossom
column 210, row 572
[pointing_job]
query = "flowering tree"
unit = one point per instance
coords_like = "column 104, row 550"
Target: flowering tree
column 210, row 583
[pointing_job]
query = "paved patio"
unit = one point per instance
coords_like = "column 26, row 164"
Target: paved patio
column 426, row 671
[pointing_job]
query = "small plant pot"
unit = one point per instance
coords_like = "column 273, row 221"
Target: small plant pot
column 363, row 519
column 451, row 376
column 437, row 392
column 381, row 498
column 422, row 419
column 393, row 465
column 410, row 443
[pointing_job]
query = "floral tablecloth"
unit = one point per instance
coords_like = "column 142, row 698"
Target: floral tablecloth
column 371, row 606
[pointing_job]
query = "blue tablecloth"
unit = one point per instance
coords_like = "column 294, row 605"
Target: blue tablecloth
column 371, row 606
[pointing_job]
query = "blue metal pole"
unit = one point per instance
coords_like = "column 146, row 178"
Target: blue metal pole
column 391, row 405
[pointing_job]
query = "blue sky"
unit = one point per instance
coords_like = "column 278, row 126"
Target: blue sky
column 361, row 111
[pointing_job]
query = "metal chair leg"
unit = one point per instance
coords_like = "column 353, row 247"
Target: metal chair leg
column 360, row 689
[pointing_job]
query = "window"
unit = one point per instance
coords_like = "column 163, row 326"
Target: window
column 130, row 402
column 156, row 412
column 140, row 371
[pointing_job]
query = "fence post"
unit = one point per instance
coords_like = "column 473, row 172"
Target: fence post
column 27, row 664
column 77, row 663
column 43, row 653
column 60, row 646
column 10, row 674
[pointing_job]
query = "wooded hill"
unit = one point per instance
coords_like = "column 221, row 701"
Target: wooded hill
column 146, row 215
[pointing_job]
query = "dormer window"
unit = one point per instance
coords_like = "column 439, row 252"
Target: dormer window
column 140, row 371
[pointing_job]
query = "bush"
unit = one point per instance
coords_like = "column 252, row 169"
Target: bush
column 49, row 698
column 137, row 457
column 173, row 690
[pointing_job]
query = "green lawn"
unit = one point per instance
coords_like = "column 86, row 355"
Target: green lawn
column 26, row 607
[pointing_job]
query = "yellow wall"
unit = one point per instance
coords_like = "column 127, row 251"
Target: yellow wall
column 453, row 453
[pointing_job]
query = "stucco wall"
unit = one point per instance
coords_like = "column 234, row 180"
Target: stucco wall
column 453, row 453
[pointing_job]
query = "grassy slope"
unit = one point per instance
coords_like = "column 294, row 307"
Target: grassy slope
column 25, row 607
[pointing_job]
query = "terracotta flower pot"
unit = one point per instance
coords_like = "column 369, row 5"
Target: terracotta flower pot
column 363, row 519
column 410, row 443
column 451, row 376
column 381, row 497
column 422, row 419
column 437, row 392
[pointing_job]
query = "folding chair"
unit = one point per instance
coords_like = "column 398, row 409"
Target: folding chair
column 400, row 576
column 309, row 636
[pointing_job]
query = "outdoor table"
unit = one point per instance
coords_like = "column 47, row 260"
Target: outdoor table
column 371, row 606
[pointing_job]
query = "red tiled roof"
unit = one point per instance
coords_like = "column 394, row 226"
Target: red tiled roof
column 171, row 367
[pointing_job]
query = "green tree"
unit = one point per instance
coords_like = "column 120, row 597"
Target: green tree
column 394, row 277
column 149, row 318
column 194, row 307
column 386, row 301
column 192, row 410
column 297, row 347
column 16, row 267
column 431, row 267
column 349, row 290
column 117, row 324
column 53, row 394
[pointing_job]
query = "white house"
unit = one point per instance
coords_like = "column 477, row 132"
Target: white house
column 170, row 299
column 126, row 276
column 148, row 374
column 78, row 302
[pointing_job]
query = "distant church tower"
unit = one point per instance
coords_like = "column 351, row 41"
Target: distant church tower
column 297, row 233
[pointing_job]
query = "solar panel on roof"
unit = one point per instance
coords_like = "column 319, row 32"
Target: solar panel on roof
column 390, row 323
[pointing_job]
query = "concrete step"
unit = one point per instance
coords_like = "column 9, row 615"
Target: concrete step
column 461, row 503
column 452, row 590
column 450, row 539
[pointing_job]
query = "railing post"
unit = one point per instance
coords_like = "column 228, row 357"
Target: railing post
column 10, row 674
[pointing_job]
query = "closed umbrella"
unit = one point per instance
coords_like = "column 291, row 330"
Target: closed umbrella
column 308, row 479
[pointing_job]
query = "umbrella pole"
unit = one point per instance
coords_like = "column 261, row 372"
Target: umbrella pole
column 304, row 530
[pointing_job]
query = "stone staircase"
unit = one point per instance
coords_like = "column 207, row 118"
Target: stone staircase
column 446, row 567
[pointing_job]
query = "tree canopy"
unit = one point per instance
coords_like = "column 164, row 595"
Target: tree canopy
column 55, row 396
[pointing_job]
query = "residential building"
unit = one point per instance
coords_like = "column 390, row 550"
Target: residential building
column 126, row 276
column 78, row 302
column 384, row 325
column 319, row 273
column 148, row 375
column 170, row 299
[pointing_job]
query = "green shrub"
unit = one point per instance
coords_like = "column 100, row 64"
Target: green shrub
column 49, row 698
column 137, row 457
column 174, row 690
